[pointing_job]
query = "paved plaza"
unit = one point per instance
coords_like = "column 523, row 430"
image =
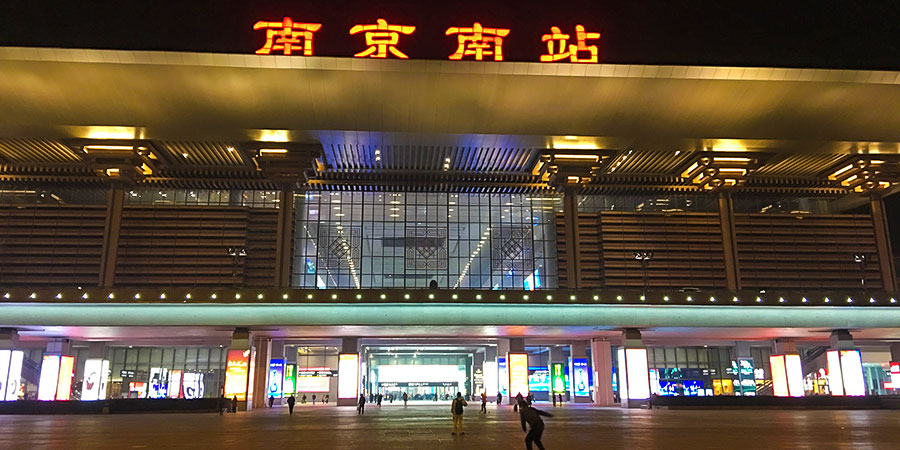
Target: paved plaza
column 427, row 427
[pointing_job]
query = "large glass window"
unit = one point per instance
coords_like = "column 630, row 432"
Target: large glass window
column 648, row 203
column 204, row 197
column 409, row 240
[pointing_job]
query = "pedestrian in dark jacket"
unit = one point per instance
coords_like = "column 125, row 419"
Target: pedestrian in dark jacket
column 234, row 405
column 532, row 416
column 361, row 404
column 291, row 402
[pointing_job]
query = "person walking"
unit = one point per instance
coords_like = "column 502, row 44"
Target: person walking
column 234, row 405
column 456, row 410
column 361, row 404
column 314, row 399
column 554, row 399
column 499, row 398
column 519, row 401
column 379, row 398
column 326, row 399
column 483, row 402
column 405, row 398
column 291, row 402
column 532, row 416
column 271, row 401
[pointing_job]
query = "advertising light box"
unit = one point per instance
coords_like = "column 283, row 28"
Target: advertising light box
column 49, row 378
column 518, row 373
column 852, row 372
column 5, row 356
column 348, row 375
column 276, row 377
column 581, row 377
column 490, row 378
column 236, row 372
column 638, row 373
column 290, row 381
column 502, row 377
column 192, row 385
column 64, row 383
column 835, row 379
column 794, row 371
column 93, row 374
column 557, row 378
column 174, row 384
column 159, row 382
column 779, row 376
column 14, row 378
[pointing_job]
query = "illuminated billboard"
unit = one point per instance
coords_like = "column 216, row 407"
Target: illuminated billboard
column 64, row 382
column 14, row 378
column 276, row 377
column 348, row 375
column 581, row 384
column 192, row 385
column 517, row 366
column 835, row 380
column 159, row 382
column 794, row 371
column 93, row 377
column 557, row 378
column 638, row 373
column 779, row 376
column 49, row 378
column 290, row 379
column 852, row 372
column 175, row 384
column 4, row 371
column 236, row 373
column 490, row 378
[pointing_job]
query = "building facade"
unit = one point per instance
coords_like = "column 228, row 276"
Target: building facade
column 187, row 225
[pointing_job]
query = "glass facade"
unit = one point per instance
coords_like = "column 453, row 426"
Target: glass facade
column 253, row 198
column 706, row 371
column 648, row 203
column 410, row 240
column 201, row 369
column 781, row 205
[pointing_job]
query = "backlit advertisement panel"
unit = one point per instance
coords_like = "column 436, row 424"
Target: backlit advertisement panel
column 159, row 382
column 236, row 370
column 852, row 372
column 581, row 384
column 290, row 379
column 14, row 379
column 64, row 383
column 502, row 377
column 174, row 384
column 835, row 379
column 895, row 375
column 794, row 371
column 779, row 376
column 276, row 377
column 192, row 385
column 638, row 373
column 348, row 375
column 490, row 379
column 622, row 372
column 4, row 371
column 557, row 378
column 90, row 386
column 518, row 373
column 49, row 378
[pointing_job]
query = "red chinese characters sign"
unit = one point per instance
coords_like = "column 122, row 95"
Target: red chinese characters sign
column 476, row 42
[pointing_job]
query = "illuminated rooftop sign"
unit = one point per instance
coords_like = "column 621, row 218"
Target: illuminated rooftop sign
column 382, row 40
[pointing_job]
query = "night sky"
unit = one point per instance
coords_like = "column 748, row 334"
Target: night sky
column 831, row 34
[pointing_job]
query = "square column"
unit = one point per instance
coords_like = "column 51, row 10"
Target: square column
column 237, row 368
column 601, row 364
column 579, row 373
column 259, row 369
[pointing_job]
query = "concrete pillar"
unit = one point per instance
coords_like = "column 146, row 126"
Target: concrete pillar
column 259, row 370
column 9, row 338
column 114, row 206
column 784, row 347
column 284, row 238
column 883, row 245
column 841, row 340
column 349, row 345
column 97, row 350
column 516, row 345
column 573, row 249
column 729, row 244
column 60, row 346
column 895, row 354
column 601, row 364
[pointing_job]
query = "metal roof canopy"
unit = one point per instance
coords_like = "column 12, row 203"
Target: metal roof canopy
column 198, row 96
column 383, row 121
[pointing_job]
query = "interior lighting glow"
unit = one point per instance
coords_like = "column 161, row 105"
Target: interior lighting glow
column 109, row 148
column 272, row 151
column 570, row 157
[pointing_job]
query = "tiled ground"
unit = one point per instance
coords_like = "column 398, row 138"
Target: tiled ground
column 427, row 427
